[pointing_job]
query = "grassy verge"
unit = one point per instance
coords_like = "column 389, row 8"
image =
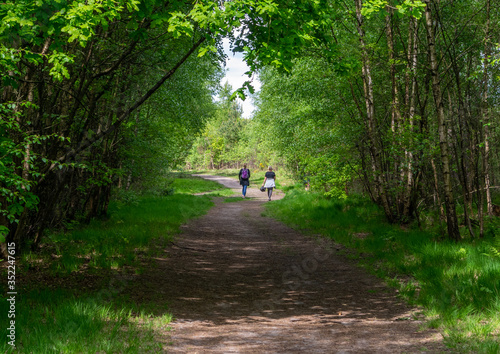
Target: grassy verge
column 192, row 185
column 228, row 172
column 73, row 293
column 457, row 284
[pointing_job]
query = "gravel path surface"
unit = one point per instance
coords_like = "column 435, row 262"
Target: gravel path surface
column 239, row 282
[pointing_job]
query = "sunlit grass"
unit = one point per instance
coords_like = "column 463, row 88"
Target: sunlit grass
column 57, row 321
column 196, row 185
column 114, row 242
column 227, row 172
column 458, row 284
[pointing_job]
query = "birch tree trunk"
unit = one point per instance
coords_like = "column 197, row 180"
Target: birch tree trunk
column 395, row 112
column 449, row 201
column 486, row 117
column 371, row 124
column 410, row 102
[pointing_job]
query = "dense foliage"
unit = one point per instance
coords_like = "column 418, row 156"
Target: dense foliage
column 73, row 77
column 76, row 76
column 398, row 100
column 413, row 101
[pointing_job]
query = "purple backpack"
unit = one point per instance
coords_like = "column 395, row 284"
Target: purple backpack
column 244, row 174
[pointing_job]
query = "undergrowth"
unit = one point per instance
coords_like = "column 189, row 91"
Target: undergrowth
column 457, row 284
column 137, row 227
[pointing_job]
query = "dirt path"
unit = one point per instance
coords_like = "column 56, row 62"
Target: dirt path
column 238, row 282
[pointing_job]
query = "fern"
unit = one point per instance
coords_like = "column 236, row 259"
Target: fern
column 494, row 252
column 494, row 249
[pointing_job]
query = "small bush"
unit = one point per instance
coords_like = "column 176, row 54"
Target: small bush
column 127, row 197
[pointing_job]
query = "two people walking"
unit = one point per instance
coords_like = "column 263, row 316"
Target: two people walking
column 269, row 181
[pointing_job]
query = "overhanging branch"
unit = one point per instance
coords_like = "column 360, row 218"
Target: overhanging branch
column 89, row 141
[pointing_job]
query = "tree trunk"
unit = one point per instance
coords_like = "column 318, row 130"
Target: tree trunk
column 395, row 113
column 370, row 116
column 451, row 214
column 410, row 101
column 486, row 117
column 437, row 198
column 460, row 158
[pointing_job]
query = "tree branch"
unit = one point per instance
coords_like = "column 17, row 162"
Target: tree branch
column 89, row 141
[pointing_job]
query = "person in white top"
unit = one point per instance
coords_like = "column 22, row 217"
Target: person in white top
column 269, row 182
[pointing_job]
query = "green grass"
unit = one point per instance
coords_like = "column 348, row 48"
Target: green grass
column 192, row 185
column 73, row 292
column 228, row 172
column 132, row 228
column 58, row 321
column 457, row 284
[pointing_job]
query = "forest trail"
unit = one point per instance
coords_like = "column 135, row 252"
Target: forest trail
column 239, row 282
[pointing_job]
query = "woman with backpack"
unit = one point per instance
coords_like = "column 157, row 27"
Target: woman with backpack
column 244, row 177
column 269, row 182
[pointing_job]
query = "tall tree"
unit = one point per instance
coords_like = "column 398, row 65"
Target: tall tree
column 451, row 214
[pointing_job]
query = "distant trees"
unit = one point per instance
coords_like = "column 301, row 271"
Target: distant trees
column 163, row 130
column 220, row 143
